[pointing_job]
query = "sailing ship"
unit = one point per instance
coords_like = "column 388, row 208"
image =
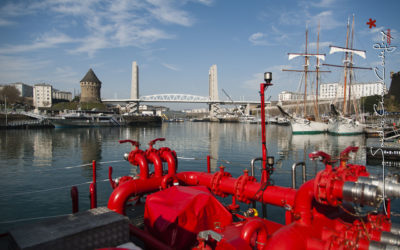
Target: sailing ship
column 305, row 124
column 342, row 123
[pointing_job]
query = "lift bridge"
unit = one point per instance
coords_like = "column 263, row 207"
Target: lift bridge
column 178, row 98
column 184, row 98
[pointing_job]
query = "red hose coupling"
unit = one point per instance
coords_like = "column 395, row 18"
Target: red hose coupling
column 240, row 185
column 216, row 181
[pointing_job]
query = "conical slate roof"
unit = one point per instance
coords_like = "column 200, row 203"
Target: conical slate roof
column 90, row 77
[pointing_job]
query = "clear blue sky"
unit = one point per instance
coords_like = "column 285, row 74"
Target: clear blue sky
column 176, row 42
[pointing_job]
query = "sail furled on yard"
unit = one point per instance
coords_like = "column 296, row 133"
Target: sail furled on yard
column 335, row 49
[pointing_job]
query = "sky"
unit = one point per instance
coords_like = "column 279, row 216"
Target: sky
column 175, row 42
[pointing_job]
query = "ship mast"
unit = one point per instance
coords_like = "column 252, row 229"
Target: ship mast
column 351, row 70
column 305, row 70
column 305, row 76
column 347, row 64
column 316, row 109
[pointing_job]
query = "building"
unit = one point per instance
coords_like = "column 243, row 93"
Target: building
column 90, row 88
column 358, row 90
column 61, row 96
column 289, row 96
column 292, row 96
column 24, row 89
column 42, row 95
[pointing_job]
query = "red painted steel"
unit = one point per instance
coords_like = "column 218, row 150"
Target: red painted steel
column 123, row 192
column 169, row 156
column 315, row 217
column 93, row 188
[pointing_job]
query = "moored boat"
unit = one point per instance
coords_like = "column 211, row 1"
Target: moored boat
column 303, row 125
column 340, row 123
column 82, row 119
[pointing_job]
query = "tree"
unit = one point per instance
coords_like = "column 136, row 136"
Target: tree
column 11, row 93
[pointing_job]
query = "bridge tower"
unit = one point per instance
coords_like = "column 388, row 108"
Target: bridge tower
column 135, row 85
column 213, row 89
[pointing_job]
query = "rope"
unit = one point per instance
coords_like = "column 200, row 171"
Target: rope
column 49, row 189
column 63, row 168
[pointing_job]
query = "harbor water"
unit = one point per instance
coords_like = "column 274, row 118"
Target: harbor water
column 39, row 166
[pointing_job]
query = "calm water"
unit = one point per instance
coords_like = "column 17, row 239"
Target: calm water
column 38, row 167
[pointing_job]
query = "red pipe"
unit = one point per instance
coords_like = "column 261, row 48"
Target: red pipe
column 123, row 192
column 157, row 162
column 137, row 157
column 140, row 159
column 264, row 173
column 148, row 239
column 75, row 199
column 169, row 156
column 93, row 188
column 93, row 198
column 255, row 226
column 303, row 202
column 94, row 171
column 293, row 236
column 274, row 195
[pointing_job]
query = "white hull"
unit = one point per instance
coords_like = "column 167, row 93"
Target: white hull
column 345, row 126
column 304, row 126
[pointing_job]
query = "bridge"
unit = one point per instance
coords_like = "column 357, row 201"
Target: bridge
column 212, row 100
column 178, row 98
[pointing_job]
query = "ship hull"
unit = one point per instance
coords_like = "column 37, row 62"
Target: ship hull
column 345, row 127
column 82, row 123
column 303, row 126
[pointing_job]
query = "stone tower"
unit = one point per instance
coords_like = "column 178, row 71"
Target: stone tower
column 90, row 88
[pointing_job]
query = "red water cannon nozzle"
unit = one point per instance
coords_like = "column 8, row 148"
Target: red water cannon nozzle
column 152, row 142
column 322, row 156
column 134, row 143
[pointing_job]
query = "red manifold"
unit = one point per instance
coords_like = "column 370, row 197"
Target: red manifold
column 315, row 216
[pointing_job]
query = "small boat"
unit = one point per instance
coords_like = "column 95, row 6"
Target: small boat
column 83, row 119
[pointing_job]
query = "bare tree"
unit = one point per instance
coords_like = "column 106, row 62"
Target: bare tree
column 11, row 93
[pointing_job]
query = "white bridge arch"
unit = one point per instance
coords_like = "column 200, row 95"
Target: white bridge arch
column 175, row 98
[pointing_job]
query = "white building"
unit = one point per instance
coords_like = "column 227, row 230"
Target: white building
column 292, row 96
column 358, row 90
column 61, row 95
column 42, row 95
column 24, row 89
